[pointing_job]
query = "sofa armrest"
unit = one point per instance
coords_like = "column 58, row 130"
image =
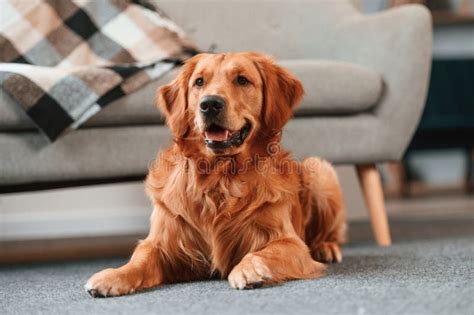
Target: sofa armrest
column 397, row 43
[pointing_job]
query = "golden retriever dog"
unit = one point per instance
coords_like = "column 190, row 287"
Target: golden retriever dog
column 227, row 201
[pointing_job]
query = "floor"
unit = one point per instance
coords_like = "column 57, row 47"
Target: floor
column 428, row 270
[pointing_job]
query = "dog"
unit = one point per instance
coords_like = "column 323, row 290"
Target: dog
column 227, row 200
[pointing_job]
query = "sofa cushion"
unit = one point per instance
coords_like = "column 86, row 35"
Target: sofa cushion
column 332, row 88
column 108, row 152
column 335, row 87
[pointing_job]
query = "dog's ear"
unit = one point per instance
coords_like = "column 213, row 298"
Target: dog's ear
column 172, row 99
column 282, row 92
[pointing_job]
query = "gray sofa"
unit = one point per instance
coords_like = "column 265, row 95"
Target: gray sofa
column 365, row 78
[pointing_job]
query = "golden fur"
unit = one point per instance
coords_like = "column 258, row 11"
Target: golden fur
column 249, row 213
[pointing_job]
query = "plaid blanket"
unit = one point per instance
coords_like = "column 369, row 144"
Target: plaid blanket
column 64, row 60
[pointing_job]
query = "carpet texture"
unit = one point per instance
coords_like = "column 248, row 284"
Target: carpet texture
column 429, row 270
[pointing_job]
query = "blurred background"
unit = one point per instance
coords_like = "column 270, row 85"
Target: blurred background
column 437, row 169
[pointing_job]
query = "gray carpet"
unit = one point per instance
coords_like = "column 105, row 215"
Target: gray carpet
column 429, row 270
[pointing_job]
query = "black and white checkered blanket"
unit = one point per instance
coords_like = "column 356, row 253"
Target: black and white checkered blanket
column 64, row 60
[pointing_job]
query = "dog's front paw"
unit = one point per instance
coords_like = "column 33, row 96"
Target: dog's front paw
column 250, row 273
column 327, row 252
column 110, row 282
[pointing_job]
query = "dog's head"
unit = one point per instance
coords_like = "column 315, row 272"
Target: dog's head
column 226, row 102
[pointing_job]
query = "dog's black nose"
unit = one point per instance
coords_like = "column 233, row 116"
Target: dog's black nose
column 211, row 105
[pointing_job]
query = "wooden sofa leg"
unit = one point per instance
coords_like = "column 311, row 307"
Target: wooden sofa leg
column 371, row 185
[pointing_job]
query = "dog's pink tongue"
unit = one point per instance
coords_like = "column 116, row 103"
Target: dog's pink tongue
column 217, row 135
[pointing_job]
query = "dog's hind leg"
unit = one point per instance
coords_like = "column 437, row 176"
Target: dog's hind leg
column 326, row 228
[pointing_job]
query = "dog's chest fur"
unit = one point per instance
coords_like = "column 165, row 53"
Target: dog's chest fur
column 229, row 214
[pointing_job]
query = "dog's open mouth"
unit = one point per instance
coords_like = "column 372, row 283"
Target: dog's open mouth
column 217, row 137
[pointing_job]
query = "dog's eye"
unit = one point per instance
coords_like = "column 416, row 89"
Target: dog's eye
column 199, row 82
column 241, row 80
